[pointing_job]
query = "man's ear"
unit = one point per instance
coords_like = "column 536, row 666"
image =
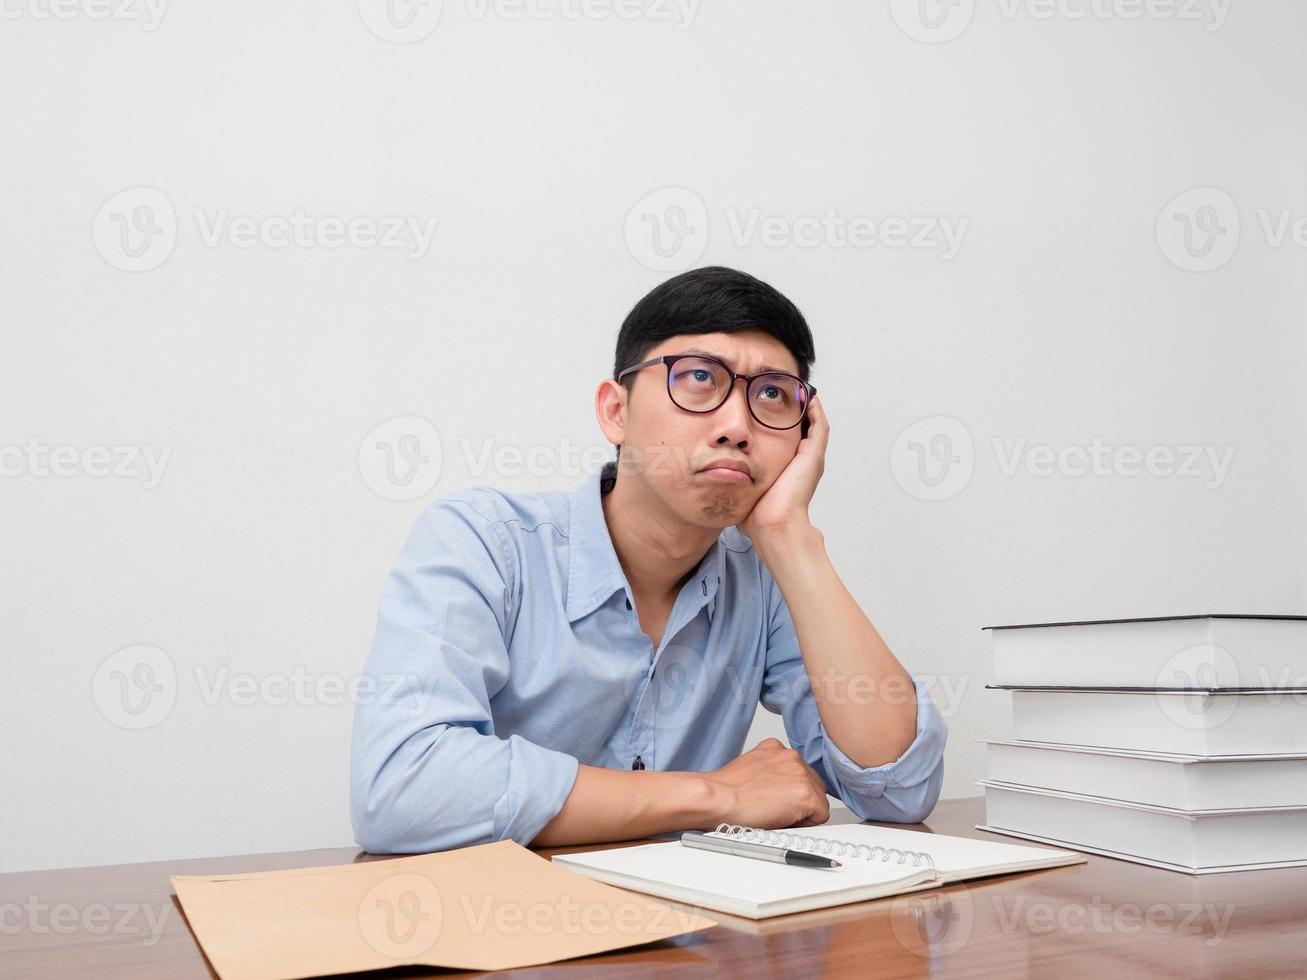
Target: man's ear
column 610, row 410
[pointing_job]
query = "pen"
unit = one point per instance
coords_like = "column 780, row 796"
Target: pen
column 763, row 852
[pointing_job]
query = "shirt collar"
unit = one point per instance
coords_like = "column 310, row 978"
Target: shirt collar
column 594, row 573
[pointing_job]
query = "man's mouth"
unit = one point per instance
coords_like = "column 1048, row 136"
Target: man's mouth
column 726, row 473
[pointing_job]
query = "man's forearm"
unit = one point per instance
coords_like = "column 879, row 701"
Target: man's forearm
column 616, row 804
column 865, row 697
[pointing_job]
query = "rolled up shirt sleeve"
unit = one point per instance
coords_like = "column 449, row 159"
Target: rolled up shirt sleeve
column 902, row 791
column 427, row 771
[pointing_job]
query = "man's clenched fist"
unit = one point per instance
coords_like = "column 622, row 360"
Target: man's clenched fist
column 770, row 787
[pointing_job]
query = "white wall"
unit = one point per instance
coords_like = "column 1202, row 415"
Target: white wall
column 261, row 370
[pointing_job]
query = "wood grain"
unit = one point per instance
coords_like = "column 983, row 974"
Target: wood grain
column 1106, row 919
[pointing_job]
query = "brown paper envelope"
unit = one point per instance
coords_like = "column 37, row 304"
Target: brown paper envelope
column 486, row 907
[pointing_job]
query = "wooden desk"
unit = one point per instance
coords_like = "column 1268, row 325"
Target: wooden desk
column 1106, row 919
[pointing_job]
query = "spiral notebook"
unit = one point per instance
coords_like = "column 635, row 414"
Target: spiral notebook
column 877, row 862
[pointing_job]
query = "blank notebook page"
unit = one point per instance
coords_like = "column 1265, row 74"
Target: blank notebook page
column 955, row 857
column 689, row 872
column 747, row 881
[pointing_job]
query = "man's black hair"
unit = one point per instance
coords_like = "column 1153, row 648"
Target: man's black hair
column 713, row 299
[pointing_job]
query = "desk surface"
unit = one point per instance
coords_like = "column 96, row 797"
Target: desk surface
column 1108, row 918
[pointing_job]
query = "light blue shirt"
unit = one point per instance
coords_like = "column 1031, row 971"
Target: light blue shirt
column 508, row 651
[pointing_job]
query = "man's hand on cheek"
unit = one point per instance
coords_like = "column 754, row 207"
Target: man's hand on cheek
column 784, row 506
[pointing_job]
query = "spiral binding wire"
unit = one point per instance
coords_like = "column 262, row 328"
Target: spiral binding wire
column 827, row 847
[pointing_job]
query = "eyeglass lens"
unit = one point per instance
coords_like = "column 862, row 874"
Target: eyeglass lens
column 700, row 385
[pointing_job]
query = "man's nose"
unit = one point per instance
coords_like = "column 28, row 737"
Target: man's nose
column 734, row 422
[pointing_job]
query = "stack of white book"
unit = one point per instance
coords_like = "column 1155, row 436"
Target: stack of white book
column 1177, row 741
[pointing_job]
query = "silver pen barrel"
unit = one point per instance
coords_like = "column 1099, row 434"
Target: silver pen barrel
column 766, row 852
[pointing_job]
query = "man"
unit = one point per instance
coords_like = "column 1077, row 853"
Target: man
column 580, row 667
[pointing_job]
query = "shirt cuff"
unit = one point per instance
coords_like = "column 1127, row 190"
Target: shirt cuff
column 917, row 763
column 539, row 781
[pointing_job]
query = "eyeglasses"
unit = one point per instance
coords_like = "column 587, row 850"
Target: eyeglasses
column 698, row 383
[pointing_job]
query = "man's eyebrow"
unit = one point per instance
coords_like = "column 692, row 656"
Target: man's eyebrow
column 762, row 368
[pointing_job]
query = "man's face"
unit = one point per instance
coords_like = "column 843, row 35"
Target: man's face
column 672, row 449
